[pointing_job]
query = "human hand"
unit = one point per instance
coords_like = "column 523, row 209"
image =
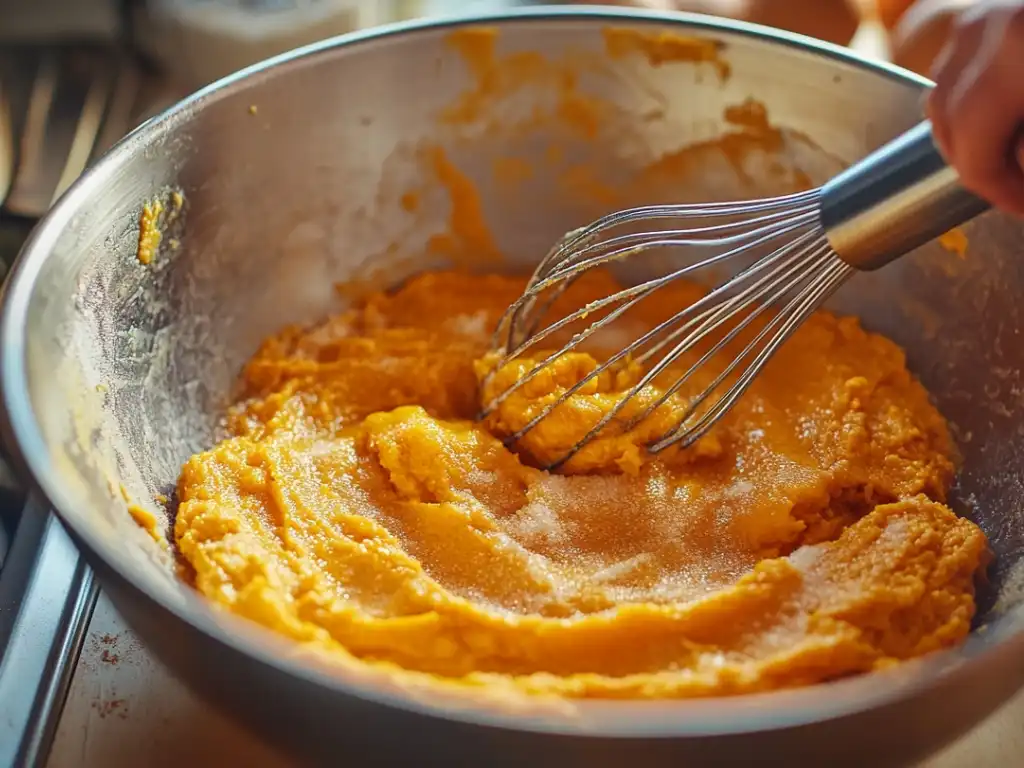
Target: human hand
column 977, row 106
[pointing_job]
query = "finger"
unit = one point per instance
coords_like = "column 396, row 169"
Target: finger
column 940, row 126
column 965, row 36
column 951, row 57
column 984, row 112
column 984, row 109
column 960, row 50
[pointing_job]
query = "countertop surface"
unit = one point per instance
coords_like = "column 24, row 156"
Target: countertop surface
column 124, row 709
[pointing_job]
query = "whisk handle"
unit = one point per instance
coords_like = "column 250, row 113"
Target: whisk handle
column 896, row 199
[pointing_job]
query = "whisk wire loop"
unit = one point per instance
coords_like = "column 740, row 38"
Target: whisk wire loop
column 796, row 273
column 580, row 250
column 706, row 321
column 627, row 298
column 783, row 325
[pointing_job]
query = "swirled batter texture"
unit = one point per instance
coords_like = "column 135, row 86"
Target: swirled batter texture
column 360, row 509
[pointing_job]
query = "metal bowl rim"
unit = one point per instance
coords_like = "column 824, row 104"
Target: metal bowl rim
column 609, row 719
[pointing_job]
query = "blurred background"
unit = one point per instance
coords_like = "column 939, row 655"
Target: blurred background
column 76, row 75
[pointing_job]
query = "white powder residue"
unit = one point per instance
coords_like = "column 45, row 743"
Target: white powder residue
column 566, row 493
column 480, row 478
column 474, row 326
column 739, row 489
column 535, row 525
column 328, row 333
column 622, row 569
column 804, row 558
column 896, row 531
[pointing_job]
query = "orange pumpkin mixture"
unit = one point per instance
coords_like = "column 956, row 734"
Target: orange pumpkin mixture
column 359, row 509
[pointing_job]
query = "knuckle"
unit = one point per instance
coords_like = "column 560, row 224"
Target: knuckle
column 963, row 24
column 968, row 178
column 971, row 18
column 985, row 184
column 1014, row 34
column 973, row 174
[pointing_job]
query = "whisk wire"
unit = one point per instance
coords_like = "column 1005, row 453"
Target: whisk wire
column 752, row 296
column 682, row 237
column 766, row 264
column 803, row 306
column 707, row 323
column 577, row 252
column 635, row 293
column 629, row 297
column 796, row 273
column 790, row 203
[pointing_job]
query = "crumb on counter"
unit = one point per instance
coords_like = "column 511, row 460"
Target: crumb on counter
column 955, row 241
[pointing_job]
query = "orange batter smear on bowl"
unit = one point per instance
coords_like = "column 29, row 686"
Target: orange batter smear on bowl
column 360, row 509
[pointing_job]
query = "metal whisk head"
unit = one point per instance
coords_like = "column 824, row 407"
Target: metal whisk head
column 798, row 271
column 803, row 246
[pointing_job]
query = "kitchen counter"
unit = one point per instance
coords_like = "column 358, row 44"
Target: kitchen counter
column 124, row 709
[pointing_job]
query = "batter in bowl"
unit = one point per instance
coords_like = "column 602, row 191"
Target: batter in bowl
column 359, row 509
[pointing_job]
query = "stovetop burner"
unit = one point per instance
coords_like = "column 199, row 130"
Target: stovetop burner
column 47, row 595
column 12, row 499
column 12, row 496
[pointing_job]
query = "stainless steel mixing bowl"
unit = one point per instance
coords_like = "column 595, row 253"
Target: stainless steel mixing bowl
column 113, row 373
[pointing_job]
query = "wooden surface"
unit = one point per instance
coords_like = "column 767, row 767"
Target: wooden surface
column 125, row 710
